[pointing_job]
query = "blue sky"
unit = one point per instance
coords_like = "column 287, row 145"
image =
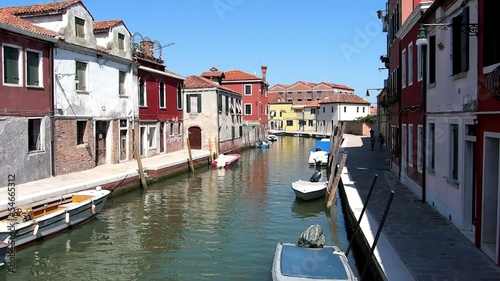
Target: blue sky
column 316, row 40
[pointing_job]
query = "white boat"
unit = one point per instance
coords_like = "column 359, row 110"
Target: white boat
column 262, row 144
column 224, row 160
column 310, row 260
column 272, row 138
column 319, row 152
column 4, row 247
column 311, row 189
column 30, row 224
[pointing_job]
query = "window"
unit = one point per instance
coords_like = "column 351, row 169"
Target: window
column 81, row 74
column 331, row 109
column 324, row 109
column 273, row 113
column 363, row 109
column 289, row 122
column 432, row 146
column 227, row 104
column 248, row 109
column 219, row 103
column 179, row 95
column 345, row 108
column 121, row 41
column 313, row 110
column 81, row 126
column 403, row 68
column 11, row 67
column 142, row 93
column 299, row 93
column 410, row 145
column 491, row 46
column 288, row 93
column 193, row 101
column 79, row 27
column 454, row 152
column 121, row 80
column 179, row 128
column 33, row 69
column 310, row 123
column 432, row 59
column 410, row 64
column 420, row 58
column 161, row 93
column 460, row 42
column 420, row 147
column 171, row 129
column 357, row 109
column 281, row 113
column 248, row 90
column 34, row 135
column 280, row 93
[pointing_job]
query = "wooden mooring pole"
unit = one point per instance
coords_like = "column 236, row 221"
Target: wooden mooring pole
column 210, row 148
column 139, row 164
column 191, row 165
column 332, row 185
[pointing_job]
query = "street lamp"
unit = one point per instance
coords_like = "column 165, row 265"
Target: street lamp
column 376, row 89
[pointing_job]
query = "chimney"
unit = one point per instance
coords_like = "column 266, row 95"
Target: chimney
column 147, row 48
column 264, row 70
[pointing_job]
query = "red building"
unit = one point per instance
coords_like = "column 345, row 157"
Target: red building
column 254, row 91
column 487, row 236
column 160, row 104
column 26, row 110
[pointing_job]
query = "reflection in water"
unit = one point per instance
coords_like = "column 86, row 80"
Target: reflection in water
column 305, row 209
column 215, row 224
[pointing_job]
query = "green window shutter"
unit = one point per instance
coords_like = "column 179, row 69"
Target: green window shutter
column 11, row 66
column 141, row 92
column 199, row 103
column 188, row 103
column 32, row 68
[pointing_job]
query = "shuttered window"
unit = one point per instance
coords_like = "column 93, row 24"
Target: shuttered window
column 11, row 65
column 460, row 41
column 33, row 69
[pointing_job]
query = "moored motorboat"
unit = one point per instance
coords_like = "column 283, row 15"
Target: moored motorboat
column 32, row 223
column 262, row 144
column 312, row 189
column 310, row 259
column 224, row 160
column 319, row 153
column 272, row 138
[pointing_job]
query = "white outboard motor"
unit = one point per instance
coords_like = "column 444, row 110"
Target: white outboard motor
column 221, row 161
column 316, row 176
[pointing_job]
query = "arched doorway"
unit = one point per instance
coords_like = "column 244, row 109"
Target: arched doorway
column 195, row 137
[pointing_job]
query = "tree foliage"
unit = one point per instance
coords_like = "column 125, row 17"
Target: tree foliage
column 367, row 119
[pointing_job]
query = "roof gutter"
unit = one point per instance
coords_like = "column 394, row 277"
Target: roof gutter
column 28, row 33
column 149, row 69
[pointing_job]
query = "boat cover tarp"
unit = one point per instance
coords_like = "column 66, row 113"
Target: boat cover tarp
column 312, row 237
column 312, row 263
column 323, row 145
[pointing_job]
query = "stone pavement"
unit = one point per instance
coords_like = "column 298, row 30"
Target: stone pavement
column 429, row 245
column 40, row 190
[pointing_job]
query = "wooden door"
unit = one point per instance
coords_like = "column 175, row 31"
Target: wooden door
column 101, row 131
column 195, row 137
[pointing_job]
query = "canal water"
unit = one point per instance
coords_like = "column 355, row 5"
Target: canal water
column 210, row 225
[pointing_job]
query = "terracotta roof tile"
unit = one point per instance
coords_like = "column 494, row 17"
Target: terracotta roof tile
column 7, row 18
column 345, row 98
column 173, row 73
column 213, row 74
column 278, row 88
column 54, row 7
column 235, row 75
column 339, row 86
column 275, row 98
column 106, row 25
column 198, row 82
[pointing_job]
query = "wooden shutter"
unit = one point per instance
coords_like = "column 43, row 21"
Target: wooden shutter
column 464, row 46
column 32, row 65
column 188, row 104
column 199, row 103
column 11, row 67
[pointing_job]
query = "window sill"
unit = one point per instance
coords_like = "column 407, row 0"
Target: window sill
column 83, row 145
column 35, row 152
column 431, row 85
column 11, row 85
column 143, row 106
column 82, row 92
column 34, row 87
column 163, row 107
column 459, row 75
column 123, row 96
column 453, row 182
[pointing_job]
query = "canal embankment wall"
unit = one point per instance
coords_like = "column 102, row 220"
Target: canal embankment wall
column 385, row 263
column 116, row 177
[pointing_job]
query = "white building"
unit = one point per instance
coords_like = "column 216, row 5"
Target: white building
column 451, row 96
column 340, row 107
column 95, row 100
column 212, row 112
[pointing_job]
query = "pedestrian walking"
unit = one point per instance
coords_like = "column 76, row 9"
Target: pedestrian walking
column 372, row 142
column 381, row 140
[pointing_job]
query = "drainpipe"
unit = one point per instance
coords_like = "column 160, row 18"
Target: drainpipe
column 424, row 115
column 52, row 112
